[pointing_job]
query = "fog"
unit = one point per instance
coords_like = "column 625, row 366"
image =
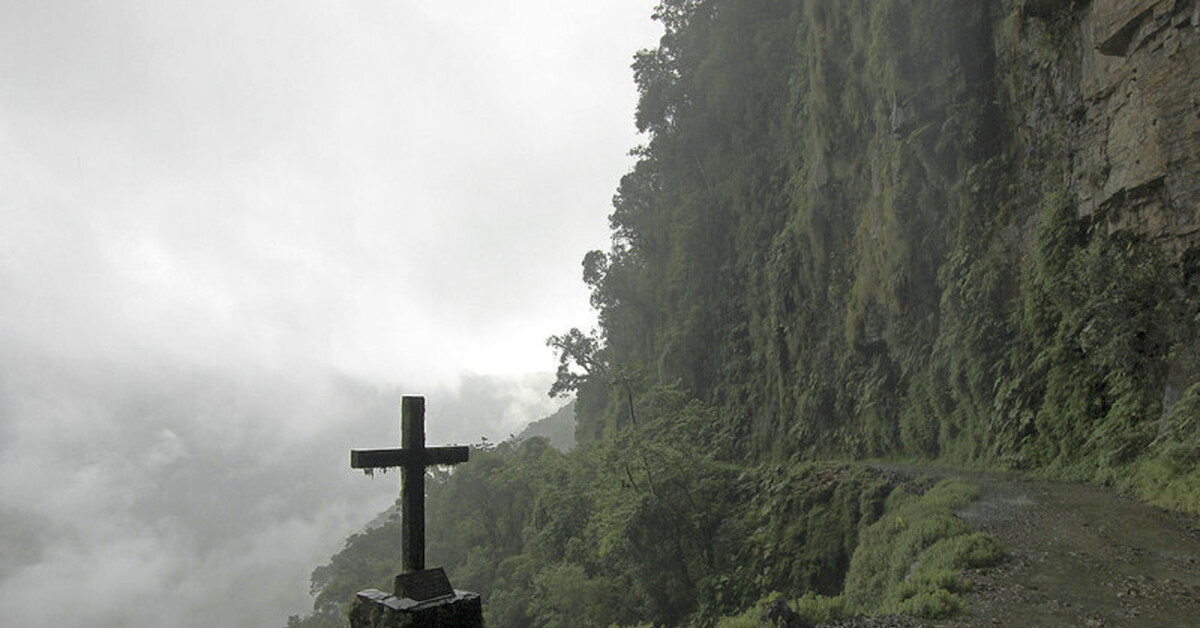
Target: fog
column 152, row 496
column 235, row 233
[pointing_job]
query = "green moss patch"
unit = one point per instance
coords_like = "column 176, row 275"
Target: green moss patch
column 907, row 561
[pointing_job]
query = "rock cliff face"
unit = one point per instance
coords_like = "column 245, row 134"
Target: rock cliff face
column 1134, row 112
column 1138, row 157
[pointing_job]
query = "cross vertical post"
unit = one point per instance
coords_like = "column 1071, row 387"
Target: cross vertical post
column 412, row 458
column 412, row 483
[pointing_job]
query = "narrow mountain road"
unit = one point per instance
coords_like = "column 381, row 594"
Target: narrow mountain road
column 1077, row 556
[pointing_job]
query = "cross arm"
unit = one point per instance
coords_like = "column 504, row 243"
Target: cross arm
column 446, row 455
column 378, row 458
column 384, row 458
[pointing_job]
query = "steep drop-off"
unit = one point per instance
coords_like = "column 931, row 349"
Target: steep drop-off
column 961, row 230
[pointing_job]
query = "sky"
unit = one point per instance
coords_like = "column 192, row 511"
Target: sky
column 233, row 233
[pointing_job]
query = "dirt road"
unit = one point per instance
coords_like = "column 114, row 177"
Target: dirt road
column 1078, row 556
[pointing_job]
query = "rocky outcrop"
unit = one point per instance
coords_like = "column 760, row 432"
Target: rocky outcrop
column 1136, row 154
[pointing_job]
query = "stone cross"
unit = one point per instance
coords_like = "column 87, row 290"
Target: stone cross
column 412, row 458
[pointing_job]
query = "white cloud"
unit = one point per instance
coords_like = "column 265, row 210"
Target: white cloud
column 155, row 494
column 143, row 497
column 357, row 184
column 167, row 449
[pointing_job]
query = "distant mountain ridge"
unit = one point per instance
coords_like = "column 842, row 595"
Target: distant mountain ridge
column 558, row 428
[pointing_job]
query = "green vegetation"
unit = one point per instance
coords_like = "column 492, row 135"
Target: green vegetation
column 656, row 525
column 907, row 561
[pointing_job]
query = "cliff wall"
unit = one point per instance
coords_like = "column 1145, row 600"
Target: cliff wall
column 948, row 229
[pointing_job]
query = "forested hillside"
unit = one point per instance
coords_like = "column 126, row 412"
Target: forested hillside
column 654, row 527
column 948, row 229
column 930, row 229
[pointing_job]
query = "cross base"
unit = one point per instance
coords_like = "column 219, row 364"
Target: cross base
column 375, row 609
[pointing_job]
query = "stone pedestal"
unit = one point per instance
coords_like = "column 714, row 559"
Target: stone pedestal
column 375, row 609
